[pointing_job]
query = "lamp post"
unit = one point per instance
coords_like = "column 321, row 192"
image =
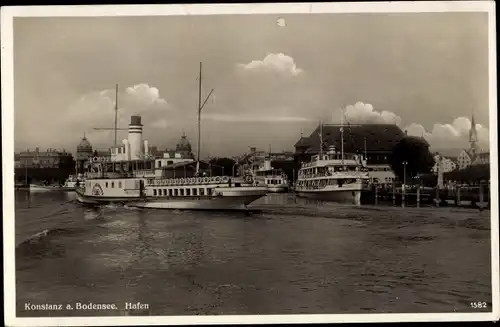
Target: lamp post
column 234, row 165
column 403, row 193
column 404, row 172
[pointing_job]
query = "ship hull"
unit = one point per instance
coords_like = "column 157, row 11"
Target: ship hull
column 209, row 203
column 230, row 199
column 43, row 188
column 339, row 196
column 277, row 189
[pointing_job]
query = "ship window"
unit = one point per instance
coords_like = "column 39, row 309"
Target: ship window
column 188, row 192
column 195, row 192
column 154, row 192
column 176, row 192
column 202, row 191
column 165, row 192
column 120, row 184
column 182, row 191
column 209, row 191
column 106, row 184
column 112, row 184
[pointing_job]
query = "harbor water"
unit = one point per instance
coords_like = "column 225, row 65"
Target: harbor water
column 293, row 257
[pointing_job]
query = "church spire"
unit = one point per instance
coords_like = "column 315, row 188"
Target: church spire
column 473, row 135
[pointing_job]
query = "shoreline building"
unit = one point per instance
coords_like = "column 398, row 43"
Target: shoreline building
column 374, row 141
column 259, row 156
column 445, row 164
column 48, row 165
column 474, row 154
column 17, row 160
column 84, row 154
column 50, row 158
column 182, row 154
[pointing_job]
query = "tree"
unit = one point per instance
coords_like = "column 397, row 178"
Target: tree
column 415, row 152
column 222, row 166
column 289, row 167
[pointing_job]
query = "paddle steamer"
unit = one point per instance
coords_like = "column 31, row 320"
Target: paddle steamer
column 130, row 176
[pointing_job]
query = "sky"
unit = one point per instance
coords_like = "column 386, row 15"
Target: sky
column 426, row 72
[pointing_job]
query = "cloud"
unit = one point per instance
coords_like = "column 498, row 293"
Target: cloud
column 364, row 113
column 273, row 62
column 454, row 135
column 145, row 94
column 441, row 136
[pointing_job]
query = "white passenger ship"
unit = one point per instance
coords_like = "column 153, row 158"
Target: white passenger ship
column 144, row 190
column 69, row 185
column 333, row 176
column 130, row 176
column 275, row 180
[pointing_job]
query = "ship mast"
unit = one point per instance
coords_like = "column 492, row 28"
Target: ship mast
column 116, row 114
column 115, row 128
column 320, row 139
column 342, row 133
column 200, row 107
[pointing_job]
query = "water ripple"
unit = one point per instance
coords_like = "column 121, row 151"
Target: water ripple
column 302, row 258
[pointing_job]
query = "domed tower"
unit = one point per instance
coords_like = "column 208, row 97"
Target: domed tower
column 184, row 147
column 83, row 153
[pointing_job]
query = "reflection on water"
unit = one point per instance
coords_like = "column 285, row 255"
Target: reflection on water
column 284, row 199
column 291, row 258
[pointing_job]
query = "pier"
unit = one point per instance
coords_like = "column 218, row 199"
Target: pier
column 416, row 196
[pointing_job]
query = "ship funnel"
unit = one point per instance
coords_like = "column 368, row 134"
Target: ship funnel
column 135, row 140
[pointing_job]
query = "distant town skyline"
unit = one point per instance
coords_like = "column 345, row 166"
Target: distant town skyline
column 426, row 72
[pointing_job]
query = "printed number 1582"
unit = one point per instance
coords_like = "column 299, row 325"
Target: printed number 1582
column 478, row 305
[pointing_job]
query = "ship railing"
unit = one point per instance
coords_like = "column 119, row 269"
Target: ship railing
column 181, row 181
column 336, row 173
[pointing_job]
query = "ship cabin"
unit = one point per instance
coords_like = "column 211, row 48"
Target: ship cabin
column 142, row 178
column 325, row 164
column 271, row 176
column 269, row 173
column 181, row 180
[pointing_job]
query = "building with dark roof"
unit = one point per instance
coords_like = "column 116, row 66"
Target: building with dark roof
column 377, row 140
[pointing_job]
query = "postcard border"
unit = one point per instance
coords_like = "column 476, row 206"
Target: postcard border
column 7, row 15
